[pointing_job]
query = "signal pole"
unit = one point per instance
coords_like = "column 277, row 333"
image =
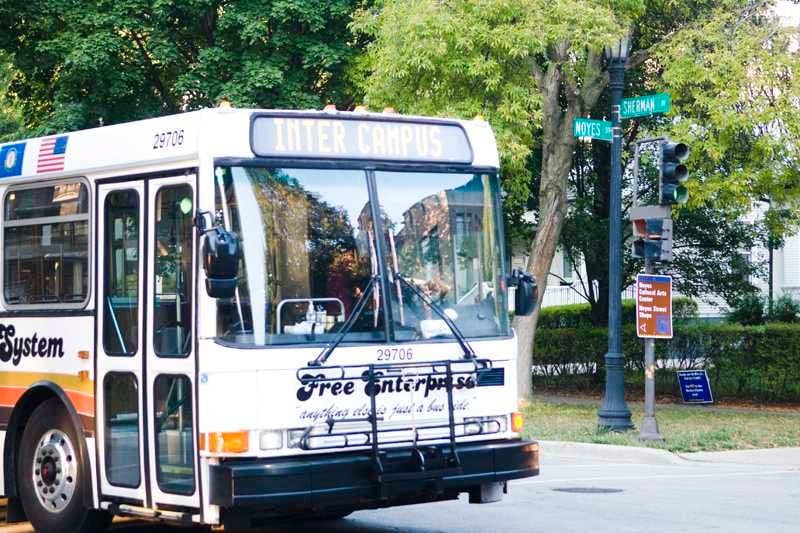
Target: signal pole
column 649, row 429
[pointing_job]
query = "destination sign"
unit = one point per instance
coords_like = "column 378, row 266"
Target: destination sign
column 394, row 140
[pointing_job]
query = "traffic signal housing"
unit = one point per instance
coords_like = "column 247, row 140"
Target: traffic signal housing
column 652, row 233
column 673, row 173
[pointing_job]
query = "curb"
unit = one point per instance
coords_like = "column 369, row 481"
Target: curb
column 610, row 452
column 779, row 457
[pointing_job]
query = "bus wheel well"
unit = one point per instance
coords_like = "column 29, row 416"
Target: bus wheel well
column 37, row 394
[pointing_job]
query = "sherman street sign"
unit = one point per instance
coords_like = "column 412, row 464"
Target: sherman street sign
column 643, row 106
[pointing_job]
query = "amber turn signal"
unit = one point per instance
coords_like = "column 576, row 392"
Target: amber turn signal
column 516, row 422
column 226, row 442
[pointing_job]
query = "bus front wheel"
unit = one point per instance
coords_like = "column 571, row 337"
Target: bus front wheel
column 51, row 477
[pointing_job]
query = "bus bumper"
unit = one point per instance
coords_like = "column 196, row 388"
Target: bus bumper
column 349, row 481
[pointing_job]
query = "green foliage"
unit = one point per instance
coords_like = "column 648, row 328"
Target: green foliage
column 580, row 315
column 785, row 309
column 463, row 58
column 732, row 76
column 729, row 66
column 77, row 63
column 748, row 310
column 10, row 109
column 743, row 362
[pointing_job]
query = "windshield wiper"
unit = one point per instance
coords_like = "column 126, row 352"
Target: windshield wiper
column 349, row 323
column 469, row 353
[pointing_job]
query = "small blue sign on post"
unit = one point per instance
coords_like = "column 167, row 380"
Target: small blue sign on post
column 695, row 387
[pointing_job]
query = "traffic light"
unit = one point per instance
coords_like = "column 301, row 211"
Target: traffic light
column 673, row 174
column 652, row 233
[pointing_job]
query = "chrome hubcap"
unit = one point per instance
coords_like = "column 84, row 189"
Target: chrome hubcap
column 55, row 470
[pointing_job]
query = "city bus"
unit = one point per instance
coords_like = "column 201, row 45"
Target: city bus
column 228, row 316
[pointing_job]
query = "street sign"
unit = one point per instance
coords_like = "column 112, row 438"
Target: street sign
column 653, row 306
column 695, row 387
column 644, row 106
column 592, row 129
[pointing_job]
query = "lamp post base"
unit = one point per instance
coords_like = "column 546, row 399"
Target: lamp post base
column 614, row 414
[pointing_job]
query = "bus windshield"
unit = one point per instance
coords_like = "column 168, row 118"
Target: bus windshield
column 310, row 245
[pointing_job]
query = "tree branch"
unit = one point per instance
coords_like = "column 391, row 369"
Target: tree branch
column 151, row 68
column 637, row 58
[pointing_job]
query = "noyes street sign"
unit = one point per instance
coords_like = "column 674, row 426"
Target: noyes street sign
column 591, row 129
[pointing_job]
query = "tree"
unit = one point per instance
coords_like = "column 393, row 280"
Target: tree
column 78, row 64
column 530, row 67
column 10, row 112
column 734, row 103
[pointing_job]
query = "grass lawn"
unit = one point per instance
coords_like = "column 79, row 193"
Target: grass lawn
column 684, row 429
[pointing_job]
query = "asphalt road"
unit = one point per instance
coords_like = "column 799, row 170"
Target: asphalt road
column 580, row 491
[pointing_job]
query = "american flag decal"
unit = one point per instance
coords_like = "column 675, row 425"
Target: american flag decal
column 51, row 154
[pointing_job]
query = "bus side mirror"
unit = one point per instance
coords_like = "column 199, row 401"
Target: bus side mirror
column 526, row 294
column 220, row 260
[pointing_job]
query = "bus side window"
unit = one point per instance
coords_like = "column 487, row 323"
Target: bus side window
column 46, row 245
column 172, row 317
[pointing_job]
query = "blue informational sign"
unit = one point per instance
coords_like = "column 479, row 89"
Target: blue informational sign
column 11, row 160
column 695, row 387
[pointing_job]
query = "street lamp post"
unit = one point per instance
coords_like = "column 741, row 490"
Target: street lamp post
column 614, row 413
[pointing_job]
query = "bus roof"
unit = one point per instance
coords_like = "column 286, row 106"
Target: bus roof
column 248, row 133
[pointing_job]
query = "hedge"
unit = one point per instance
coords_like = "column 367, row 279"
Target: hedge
column 580, row 315
column 759, row 363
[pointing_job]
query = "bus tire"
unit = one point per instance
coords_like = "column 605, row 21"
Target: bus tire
column 51, row 478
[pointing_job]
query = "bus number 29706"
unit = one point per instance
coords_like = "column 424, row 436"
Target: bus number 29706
column 166, row 139
column 395, row 354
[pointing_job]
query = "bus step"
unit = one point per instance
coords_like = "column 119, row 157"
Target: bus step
column 146, row 512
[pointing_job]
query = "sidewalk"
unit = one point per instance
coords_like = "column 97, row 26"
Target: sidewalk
column 781, row 457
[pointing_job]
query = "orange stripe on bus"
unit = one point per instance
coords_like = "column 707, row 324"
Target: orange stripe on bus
column 83, row 403
column 10, row 395
column 65, row 381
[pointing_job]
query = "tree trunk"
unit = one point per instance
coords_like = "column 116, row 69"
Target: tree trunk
column 557, row 149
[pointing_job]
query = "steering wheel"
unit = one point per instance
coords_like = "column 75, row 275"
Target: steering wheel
column 236, row 328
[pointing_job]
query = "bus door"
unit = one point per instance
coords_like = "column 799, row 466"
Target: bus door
column 120, row 344
column 146, row 363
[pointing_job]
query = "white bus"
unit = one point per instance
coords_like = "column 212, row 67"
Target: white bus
column 230, row 315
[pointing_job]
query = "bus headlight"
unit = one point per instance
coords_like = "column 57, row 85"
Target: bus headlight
column 485, row 425
column 270, row 439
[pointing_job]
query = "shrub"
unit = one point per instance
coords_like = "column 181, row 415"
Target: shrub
column 748, row 310
column 580, row 315
column 743, row 362
column 785, row 309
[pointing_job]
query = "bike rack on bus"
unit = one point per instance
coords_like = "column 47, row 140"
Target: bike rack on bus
column 372, row 375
